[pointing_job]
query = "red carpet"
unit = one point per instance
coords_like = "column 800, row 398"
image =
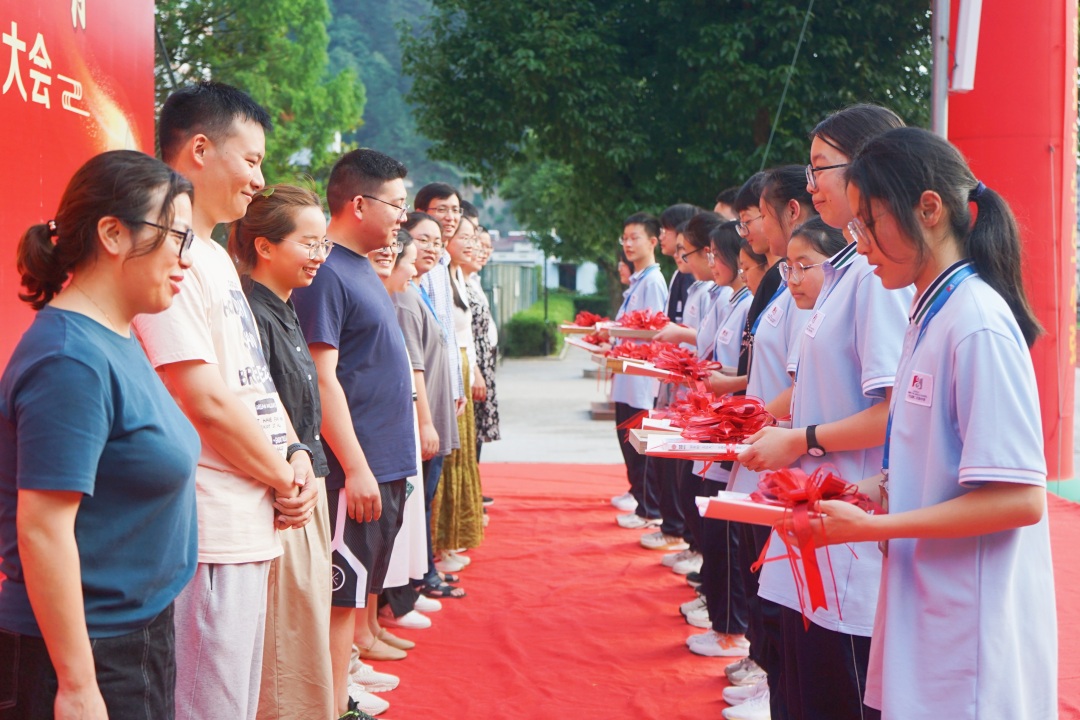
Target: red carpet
column 567, row 616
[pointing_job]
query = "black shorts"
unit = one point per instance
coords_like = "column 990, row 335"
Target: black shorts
column 360, row 551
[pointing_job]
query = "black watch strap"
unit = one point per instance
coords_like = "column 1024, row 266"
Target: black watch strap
column 296, row 447
column 813, row 447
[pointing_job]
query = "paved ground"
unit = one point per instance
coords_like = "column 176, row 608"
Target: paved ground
column 544, row 413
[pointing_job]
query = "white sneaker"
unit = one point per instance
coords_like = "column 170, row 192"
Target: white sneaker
column 691, row 605
column 367, row 702
column 447, row 564
column 624, row 502
column 633, row 521
column 659, row 541
column 670, row 559
column 699, row 618
column 412, row 619
column 756, row 709
column 688, row 565
column 737, row 695
column 427, row 605
column 714, row 644
column 368, row 678
column 465, row 560
column 744, row 672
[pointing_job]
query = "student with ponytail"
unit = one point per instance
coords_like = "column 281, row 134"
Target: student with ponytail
column 839, row 404
column 967, row 582
column 97, row 464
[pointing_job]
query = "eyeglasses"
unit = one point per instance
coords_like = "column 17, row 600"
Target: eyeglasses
column 811, row 178
column 625, row 241
column 395, row 248
column 186, row 236
column 315, row 249
column 444, row 210
column 685, row 255
column 429, row 244
column 403, row 208
column 795, row 272
column 743, row 228
column 859, row 232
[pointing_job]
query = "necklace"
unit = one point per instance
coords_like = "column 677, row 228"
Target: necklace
column 100, row 309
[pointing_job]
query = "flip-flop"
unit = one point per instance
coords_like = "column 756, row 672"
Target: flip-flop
column 442, row 590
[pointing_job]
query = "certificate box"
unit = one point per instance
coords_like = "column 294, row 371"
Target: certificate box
column 739, row 508
column 639, row 437
column 631, row 333
column 647, row 369
column 679, row 448
column 572, row 329
column 579, row 343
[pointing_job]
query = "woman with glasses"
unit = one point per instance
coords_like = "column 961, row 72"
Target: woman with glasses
column 457, row 509
column 97, row 464
column 966, row 602
column 279, row 245
column 486, row 337
column 839, row 406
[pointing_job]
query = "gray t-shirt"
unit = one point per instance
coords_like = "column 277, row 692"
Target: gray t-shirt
column 427, row 350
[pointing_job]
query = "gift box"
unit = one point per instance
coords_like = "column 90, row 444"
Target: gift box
column 587, row 346
column 647, row 369
column 659, row 446
column 639, row 437
column 658, row 423
column 616, row 331
column 571, row 329
column 612, row 364
column 738, row 507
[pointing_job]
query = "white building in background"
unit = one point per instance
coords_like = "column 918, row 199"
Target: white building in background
column 517, row 249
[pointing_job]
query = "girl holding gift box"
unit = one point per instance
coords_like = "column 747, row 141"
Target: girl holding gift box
column 967, row 578
column 850, row 350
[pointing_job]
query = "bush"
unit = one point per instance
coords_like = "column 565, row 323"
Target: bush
column 593, row 303
column 524, row 334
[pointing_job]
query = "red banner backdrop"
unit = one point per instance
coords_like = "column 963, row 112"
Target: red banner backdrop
column 76, row 79
column 1018, row 130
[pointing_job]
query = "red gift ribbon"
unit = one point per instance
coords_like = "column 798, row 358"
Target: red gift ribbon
column 685, row 363
column 793, row 489
column 637, row 350
column 643, row 320
column 730, row 419
column 588, row 319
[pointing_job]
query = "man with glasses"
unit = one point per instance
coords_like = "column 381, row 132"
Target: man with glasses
column 203, row 348
column 365, row 387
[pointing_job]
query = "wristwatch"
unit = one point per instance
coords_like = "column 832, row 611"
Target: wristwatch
column 297, row 447
column 813, row 448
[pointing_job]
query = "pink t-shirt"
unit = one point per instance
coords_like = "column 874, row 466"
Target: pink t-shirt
column 210, row 321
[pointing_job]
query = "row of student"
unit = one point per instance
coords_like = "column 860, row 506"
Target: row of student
column 886, row 265
column 171, row 549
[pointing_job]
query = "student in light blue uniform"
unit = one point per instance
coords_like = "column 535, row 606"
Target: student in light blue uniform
column 848, row 358
column 965, row 627
column 719, row 340
column 784, row 204
column 632, row 394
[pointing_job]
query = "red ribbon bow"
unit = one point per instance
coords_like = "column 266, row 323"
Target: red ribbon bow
column 793, row 489
column 638, row 350
column 588, row 319
column 684, row 363
column 643, row 320
column 730, row 419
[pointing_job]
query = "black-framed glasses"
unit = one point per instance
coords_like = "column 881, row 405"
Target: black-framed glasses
column 186, row 236
column 315, row 248
column 685, row 255
column 795, row 272
column 811, row 173
column 743, row 228
column 403, row 208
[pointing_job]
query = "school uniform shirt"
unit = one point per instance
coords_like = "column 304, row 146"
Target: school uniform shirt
column 436, row 283
column 647, row 291
column 210, row 321
column 848, row 356
column 719, row 340
column 965, row 627
column 774, row 355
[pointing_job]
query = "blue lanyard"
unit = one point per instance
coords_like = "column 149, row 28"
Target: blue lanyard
column 427, row 301
column 757, row 320
column 942, row 297
column 634, row 286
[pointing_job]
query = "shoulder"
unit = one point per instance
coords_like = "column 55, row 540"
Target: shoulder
column 978, row 307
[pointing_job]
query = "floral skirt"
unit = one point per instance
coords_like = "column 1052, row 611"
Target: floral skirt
column 457, row 513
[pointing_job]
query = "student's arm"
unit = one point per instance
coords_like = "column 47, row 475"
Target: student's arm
column 50, row 561
column 990, row 508
column 226, row 425
column 429, row 437
column 775, row 447
column 361, row 488
column 723, row 384
column 675, row 333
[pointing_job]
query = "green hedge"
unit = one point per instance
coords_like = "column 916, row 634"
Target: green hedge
column 598, row 304
column 523, row 334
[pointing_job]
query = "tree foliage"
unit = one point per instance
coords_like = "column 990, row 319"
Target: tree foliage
column 587, row 110
column 276, row 50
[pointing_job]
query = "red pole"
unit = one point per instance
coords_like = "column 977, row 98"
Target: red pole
column 1017, row 129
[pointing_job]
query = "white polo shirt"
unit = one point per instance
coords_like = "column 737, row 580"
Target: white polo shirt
column 966, row 627
column 850, row 350
column 774, row 357
column 720, row 339
column 647, row 291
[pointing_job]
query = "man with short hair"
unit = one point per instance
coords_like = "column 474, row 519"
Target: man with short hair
column 365, row 385
column 206, row 348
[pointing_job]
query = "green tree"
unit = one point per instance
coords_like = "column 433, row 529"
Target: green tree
column 276, row 50
column 588, row 110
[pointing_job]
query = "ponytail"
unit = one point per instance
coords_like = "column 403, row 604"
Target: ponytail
column 898, row 166
column 40, row 265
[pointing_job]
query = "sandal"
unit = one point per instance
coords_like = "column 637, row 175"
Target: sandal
column 442, row 590
column 449, row 577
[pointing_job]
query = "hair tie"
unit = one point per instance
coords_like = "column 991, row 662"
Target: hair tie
column 976, row 192
column 53, row 231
